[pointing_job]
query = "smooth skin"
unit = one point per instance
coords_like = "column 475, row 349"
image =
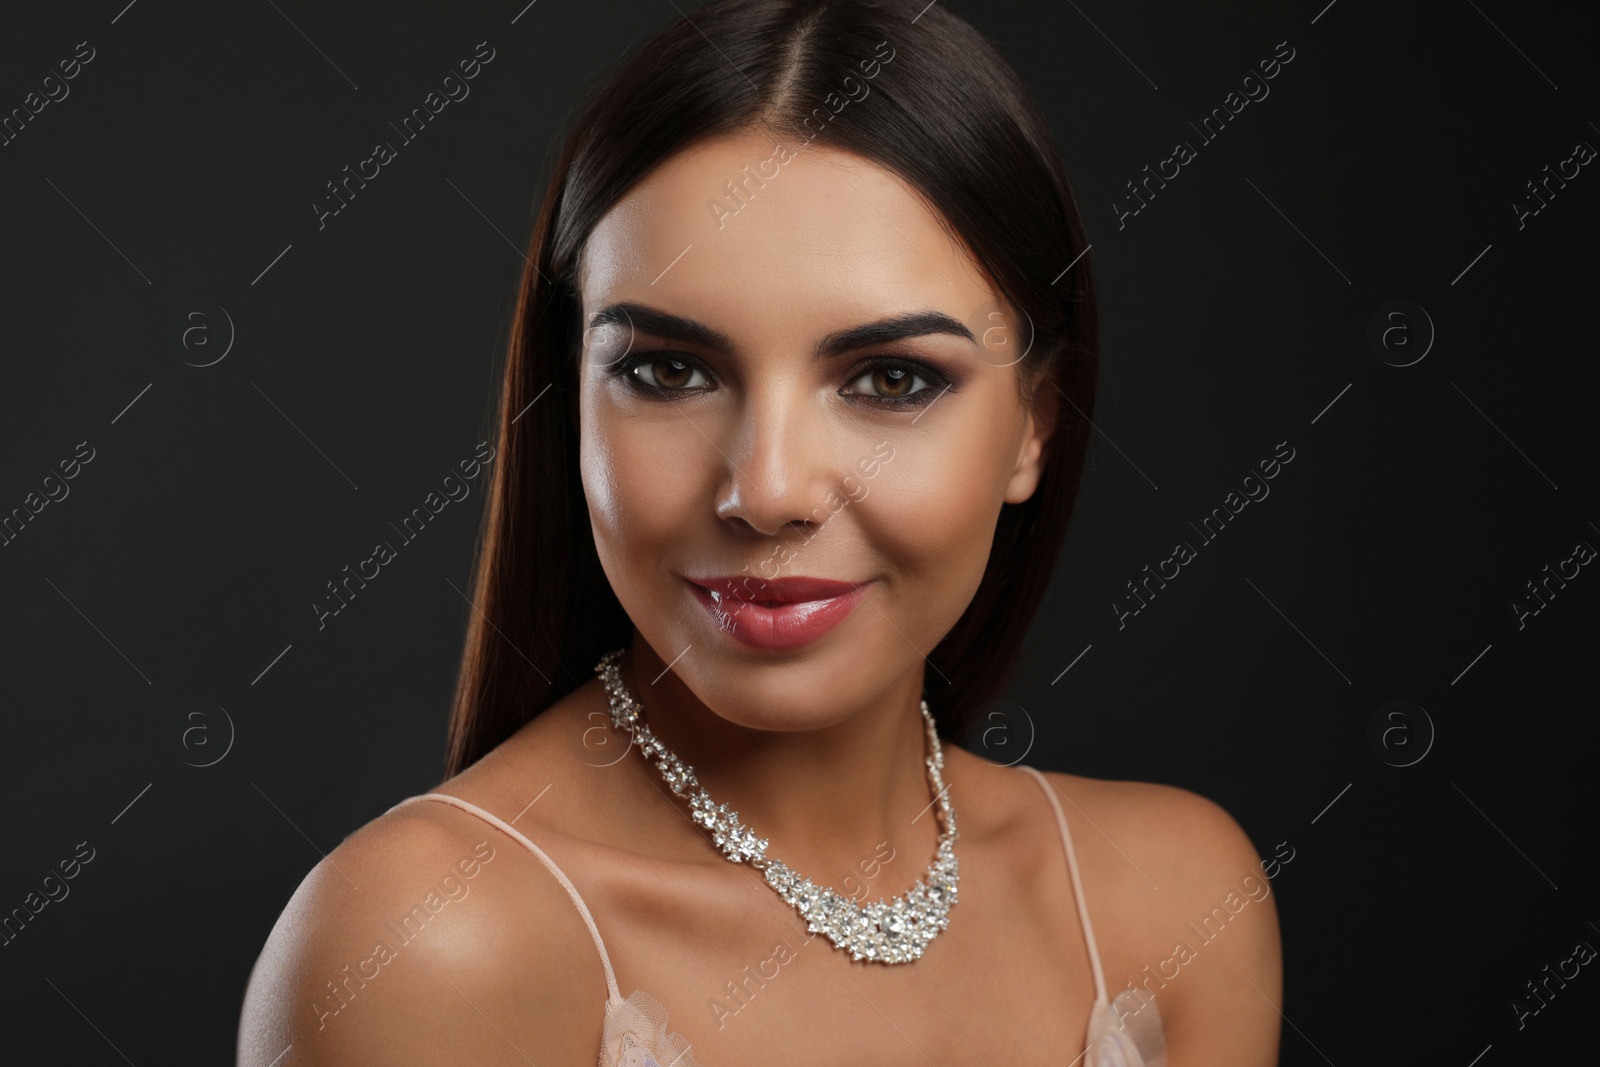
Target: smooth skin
column 749, row 442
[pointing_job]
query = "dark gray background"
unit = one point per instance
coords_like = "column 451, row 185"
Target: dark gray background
column 1382, row 566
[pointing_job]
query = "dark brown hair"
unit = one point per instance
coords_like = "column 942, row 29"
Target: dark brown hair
column 944, row 111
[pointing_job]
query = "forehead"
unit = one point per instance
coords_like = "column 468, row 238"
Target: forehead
column 822, row 239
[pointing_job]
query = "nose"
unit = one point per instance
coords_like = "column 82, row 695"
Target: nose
column 778, row 473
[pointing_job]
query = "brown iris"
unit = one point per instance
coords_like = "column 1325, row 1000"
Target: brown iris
column 671, row 379
column 898, row 378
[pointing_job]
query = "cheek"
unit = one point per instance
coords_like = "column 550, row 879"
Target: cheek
column 638, row 494
column 933, row 508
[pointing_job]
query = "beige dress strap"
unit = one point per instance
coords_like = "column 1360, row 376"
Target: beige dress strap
column 566, row 883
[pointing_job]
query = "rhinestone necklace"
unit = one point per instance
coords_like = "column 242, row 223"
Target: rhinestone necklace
column 896, row 930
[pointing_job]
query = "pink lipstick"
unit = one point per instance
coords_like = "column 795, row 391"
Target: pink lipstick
column 776, row 613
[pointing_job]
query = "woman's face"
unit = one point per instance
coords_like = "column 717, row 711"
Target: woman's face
column 813, row 383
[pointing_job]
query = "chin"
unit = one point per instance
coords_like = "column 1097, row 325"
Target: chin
column 811, row 689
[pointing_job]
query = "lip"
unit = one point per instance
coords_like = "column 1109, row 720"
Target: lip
column 776, row 613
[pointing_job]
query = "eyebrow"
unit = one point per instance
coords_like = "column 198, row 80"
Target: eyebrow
column 678, row 328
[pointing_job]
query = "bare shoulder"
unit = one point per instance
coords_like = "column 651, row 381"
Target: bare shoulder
column 1184, row 831
column 427, row 936
column 1183, row 912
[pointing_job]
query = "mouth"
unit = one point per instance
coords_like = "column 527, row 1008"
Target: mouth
column 777, row 613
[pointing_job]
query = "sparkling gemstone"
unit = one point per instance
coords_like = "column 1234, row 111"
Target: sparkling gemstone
column 888, row 931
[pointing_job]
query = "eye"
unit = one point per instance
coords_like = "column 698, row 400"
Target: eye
column 662, row 372
column 894, row 382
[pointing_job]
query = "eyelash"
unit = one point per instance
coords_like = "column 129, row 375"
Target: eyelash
column 937, row 383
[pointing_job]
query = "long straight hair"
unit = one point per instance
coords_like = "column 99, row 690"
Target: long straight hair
column 925, row 96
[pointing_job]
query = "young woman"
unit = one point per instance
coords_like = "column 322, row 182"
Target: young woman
column 791, row 429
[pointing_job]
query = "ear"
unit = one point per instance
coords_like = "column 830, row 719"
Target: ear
column 1037, row 436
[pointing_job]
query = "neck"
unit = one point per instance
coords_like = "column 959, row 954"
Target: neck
column 825, row 798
